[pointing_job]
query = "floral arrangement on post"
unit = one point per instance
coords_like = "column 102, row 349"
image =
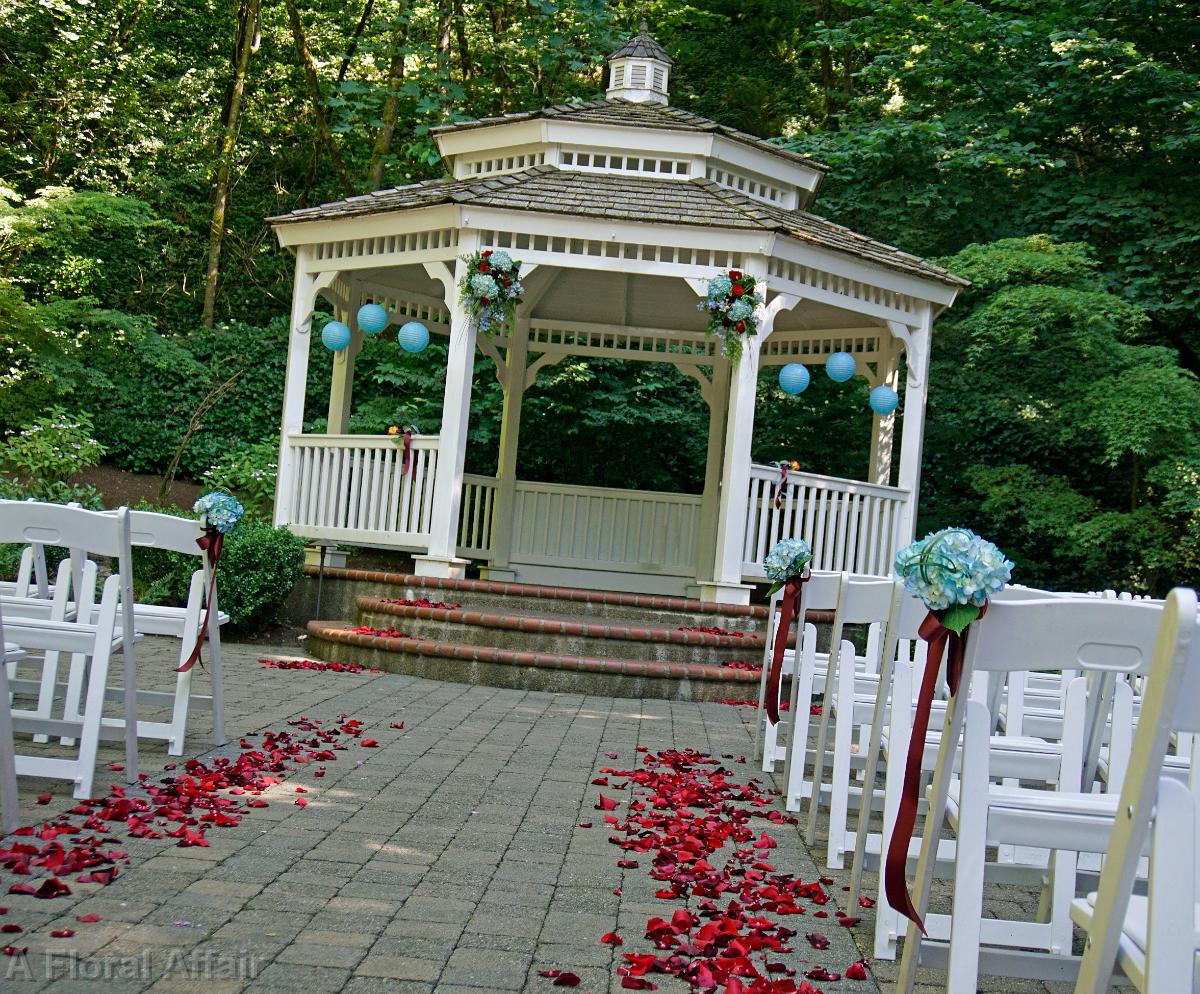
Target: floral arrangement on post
column 953, row 572
column 403, row 437
column 730, row 304
column 491, row 287
column 219, row 511
column 787, row 567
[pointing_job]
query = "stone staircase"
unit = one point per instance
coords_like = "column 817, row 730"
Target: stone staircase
column 534, row 637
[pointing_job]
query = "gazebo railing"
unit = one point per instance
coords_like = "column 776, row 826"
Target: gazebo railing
column 851, row 526
column 353, row 488
column 475, row 516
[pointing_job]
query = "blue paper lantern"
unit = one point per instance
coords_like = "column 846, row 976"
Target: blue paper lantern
column 335, row 336
column 794, row 378
column 372, row 318
column 884, row 400
column 840, row 366
column 413, row 336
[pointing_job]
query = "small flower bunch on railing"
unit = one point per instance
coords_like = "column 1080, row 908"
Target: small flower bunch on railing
column 787, row 560
column 491, row 287
column 953, row 572
column 404, row 437
column 730, row 303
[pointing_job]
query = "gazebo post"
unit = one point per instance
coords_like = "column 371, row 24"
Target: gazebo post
column 912, row 436
column 718, row 406
column 341, row 386
column 442, row 559
column 883, row 426
column 510, row 430
column 304, row 298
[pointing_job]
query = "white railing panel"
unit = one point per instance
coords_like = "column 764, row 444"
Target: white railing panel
column 353, row 488
column 604, row 529
column 851, row 526
column 475, row 517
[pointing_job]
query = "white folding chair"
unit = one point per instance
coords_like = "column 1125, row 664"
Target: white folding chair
column 1153, row 938
column 851, row 684
column 821, row 593
column 151, row 530
column 96, row 635
column 1094, row 636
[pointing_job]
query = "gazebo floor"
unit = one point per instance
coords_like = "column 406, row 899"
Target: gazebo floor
column 529, row 637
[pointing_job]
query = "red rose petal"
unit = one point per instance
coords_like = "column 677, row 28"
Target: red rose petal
column 848, row 921
column 606, row 804
column 817, row 940
column 857, row 971
column 43, row 798
column 11, row 928
column 612, row 939
column 566, row 980
column 820, row 973
column 62, row 933
column 87, row 919
column 866, row 902
column 369, row 743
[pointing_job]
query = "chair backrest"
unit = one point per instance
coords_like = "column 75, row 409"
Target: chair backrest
column 152, row 530
column 823, row 591
column 101, row 534
column 866, row 600
column 1064, row 634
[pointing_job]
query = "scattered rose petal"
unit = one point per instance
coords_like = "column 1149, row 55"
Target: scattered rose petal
column 865, row 902
column 612, row 939
column 10, row 928
column 87, row 919
column 820, row 973
column 369, row 743
column 606, row 804
column 817, row 940
column 62, row 933
column 857, row 971
column 43, row 798
column 848, row 921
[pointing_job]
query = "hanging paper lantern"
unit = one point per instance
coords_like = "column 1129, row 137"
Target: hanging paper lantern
column 840, row 366
column 884, row 400
column 372, row 318
column 413, row 336
column 793, row 378
column 335, row 336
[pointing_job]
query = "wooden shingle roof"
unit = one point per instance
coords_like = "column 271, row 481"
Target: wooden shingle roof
column 625, row 113
column 548, row 189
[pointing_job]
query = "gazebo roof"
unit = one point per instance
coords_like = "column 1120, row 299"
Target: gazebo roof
column 614, row 111
column 548, row 189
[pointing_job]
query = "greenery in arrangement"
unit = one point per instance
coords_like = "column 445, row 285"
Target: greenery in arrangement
column 1044, row 150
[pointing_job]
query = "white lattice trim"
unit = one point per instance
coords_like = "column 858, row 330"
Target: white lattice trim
column 399, row 249
column 842, row 290
column 497, row 165
column 587, row 160
column 600, row 250
column 751, row 187
column 580, row 338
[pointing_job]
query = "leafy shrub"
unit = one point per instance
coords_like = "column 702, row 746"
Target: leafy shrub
column 251, row 472
column 52, row 448
column 259, row 566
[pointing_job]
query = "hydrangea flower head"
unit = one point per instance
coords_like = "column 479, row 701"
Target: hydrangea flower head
column 719, row 286
column 787, row 558
column 501, row 260
column 221, row 510
column 952, row 566
column 741, row 309
column 483, row 285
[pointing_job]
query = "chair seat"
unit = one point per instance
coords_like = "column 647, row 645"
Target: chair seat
column 1137, row 918
column 69, row 636
column 1030, row 817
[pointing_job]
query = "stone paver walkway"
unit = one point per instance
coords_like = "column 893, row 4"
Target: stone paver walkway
column 449, row 859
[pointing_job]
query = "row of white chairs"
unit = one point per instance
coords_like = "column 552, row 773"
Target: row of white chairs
column 1031, row 758
column 88, row 623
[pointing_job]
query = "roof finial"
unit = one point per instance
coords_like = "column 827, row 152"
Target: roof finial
column 645, row 27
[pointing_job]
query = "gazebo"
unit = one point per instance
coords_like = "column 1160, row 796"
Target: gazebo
column 620, row 211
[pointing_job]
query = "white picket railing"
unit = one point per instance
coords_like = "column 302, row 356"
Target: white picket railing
column 353, row 488
column 475, row 516
column 631, row 531
column 850, row 526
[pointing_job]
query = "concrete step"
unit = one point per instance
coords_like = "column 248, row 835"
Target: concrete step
column 612, row 676
column 340, row 587
column 574, row 635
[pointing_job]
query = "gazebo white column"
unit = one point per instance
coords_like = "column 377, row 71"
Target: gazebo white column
column 883, row 426
column 442, row 559
column 510, row 431
column 304, row 299
column 341, row 386
column 718, row 406
column 917, row 341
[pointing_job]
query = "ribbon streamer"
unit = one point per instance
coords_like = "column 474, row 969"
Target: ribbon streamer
column 779, row 487
column 791, row 608
column 942, row 640
column 210, row 543
column 408, row 453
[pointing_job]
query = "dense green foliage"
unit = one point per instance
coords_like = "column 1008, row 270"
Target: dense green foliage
column 1063, row 406
column 259, row 567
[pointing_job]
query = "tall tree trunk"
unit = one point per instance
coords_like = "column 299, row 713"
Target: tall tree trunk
column 313, row 80
column 460, row 31
column 391, row 103
column 245, row 44
column 352, row 47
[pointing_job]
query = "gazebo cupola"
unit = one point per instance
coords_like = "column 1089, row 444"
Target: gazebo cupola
column 638, row 71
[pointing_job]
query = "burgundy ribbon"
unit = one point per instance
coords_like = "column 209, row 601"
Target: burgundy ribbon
column 408, row 454
column 210, row 543
column 779, row 487
column 791, row 607
column 942, row 641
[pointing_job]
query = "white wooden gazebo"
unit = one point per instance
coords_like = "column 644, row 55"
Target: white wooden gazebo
column 620, row 210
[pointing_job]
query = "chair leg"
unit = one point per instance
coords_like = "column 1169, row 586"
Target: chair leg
column 970, row 855
column 10, row 811
column 218, row 684
column 179, row 712
column 818, row 775
column 76, row 680
column 93, row 711
column 839, row 780
column 45, row 702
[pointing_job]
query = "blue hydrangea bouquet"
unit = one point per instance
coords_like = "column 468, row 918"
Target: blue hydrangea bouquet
column 788, row 558
column 953, row 572
column 491, row 287
column 219, row 510
column 730, row 303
